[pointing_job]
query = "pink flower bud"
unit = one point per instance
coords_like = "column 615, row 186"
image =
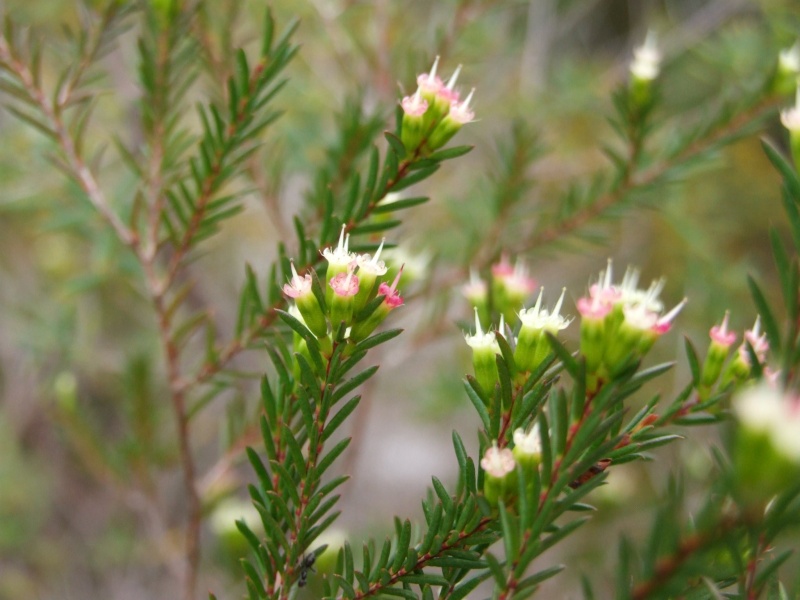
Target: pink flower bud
column 416, row 105
column 392, row 295
column 593, row 308
column 345, row 284
column 430, row 83
column 664, row 324
column 298, row 286
column 460, row 112
column 498, row 462
column 720, row 334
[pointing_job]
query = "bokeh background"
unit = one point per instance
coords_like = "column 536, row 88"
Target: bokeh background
column 81, row 376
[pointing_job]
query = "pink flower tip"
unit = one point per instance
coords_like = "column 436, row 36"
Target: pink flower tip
column 475, row 290
column 604, row 291
column 593, row 308
column 757, row 339
column 430, row 82
column 460, row 112
column 664, row 324
column 298, row 285
column 498, row 462
column 504, row 268
column 414, row 106
column 340, row 255
column 721, row 335
column 448, row 92
column 392, row 299
column 345, row 284
column 515, row 278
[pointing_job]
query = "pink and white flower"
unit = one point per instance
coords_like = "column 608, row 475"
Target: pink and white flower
column 298, row 285
column 719, row 334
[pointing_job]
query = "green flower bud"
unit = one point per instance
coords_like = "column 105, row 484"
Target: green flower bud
column 791, row 120
column 369, row 269
column 345, row 288
column 413, row 127
column 340, row 260
column 532, row 347
column 477, row 294
column 500, row 475
column 766, row 454
column 299, row 288
column 391, row 300
column 528, row 448
column 593, row 317
column 784, row 80
column 644, row 68
column 458, row 115
column 484, row 349
column 718, row 351
column 511, row 286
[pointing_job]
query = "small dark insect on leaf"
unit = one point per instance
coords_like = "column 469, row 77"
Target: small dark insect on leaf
column 595, row 469
column 306, row 565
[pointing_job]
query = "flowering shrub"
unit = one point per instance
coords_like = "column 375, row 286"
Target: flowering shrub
column 560, row 387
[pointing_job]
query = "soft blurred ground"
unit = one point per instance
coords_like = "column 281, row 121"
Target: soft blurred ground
column 78, row 340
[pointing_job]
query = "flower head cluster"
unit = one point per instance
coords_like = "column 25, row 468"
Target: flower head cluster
column 724, row 367
column 352, row 284
column 500, row 466
column 621, row 321
column 434, row 113
column 511, row 285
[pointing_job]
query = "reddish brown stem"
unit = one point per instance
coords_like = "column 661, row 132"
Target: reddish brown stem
column 633, row 180
column 668, row 566
column 423, row 560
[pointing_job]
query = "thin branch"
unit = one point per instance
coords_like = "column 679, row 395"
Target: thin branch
column 208, row 186
column 668, row 566
column 646, row 178
column 146, row 257
column 511, row 580
column 75, row 161
column 178, row 398
column 157, row 287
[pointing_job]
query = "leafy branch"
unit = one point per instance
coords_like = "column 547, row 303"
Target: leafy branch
column 24, row 85
column 257, row 310
column 634, row 175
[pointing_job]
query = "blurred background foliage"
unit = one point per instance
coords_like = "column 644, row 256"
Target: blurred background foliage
column 81, row 375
